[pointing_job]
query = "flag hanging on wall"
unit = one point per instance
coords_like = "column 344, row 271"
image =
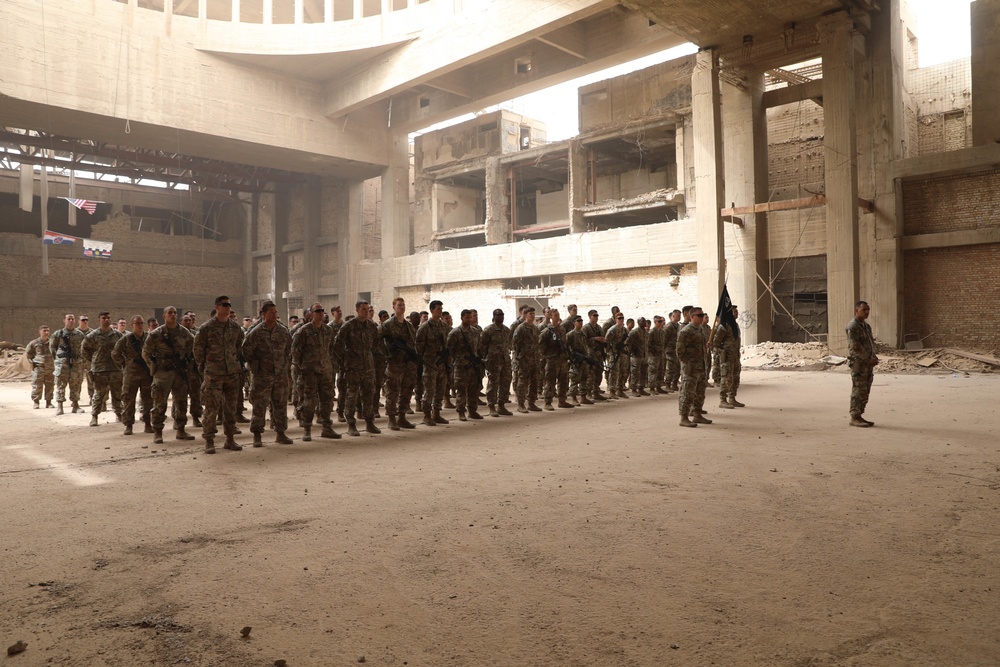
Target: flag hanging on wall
column 83, row 204
column 98, row 249
column 52, row 238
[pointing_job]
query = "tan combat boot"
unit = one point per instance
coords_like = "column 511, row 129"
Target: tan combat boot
column 859, row 422
column 329, row 433
column 393, row 426
column 231, row 444
column 428, row 419
column 699, row 418
column 183, row 435
column 282, row 439
column 370, row 427
column 733, row 402
column 352, row 428
column 209, row 446
column 307, row 436
column 158, row 436
column 257, row 441
column 687, row 422
column 404, row 422
column 438, row 419
column 504, row 412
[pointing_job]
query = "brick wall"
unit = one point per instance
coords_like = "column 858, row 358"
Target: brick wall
column 953, row 293
column 952, row 203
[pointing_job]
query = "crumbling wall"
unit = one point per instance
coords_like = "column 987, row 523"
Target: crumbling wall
column 654, row 91
column 942, row 95
column 637, row 292
column 458, row 207
column 800, row 286
column 371, row 217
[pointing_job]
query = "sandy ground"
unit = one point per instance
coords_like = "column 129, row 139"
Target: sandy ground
column 598, row 536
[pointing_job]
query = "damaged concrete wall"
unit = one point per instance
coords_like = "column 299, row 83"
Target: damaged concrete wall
column 942, row 95
column 456, row 207
column 660, row 90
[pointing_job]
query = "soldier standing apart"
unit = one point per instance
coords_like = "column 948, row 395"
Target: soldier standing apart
column 657, row 362
column 552, row 343
column 862, row 360
column 431, row 346
column 354, row 345
column 84, row 327
column 65, row 346
column 267, row 350
column 465, row 363
column 524, row 344
column 672, row 365
column 42, row 367
column 638, row 359
column 617, row 341
column 494, row 346
column 400, row 341
column 217, row 347
column 167, row 352
column 312, row 357
column 581, row 365
column 136, row 376
column 691, row 353
column 727, row 342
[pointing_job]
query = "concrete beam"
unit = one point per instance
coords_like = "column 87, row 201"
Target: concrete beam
column 709, row 176
column 949, row 163
column 796, row 93
column 985, row 16
column 841, row 151
column 952, row 239
column 570, row 39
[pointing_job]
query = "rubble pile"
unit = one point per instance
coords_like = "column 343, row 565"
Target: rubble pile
column 816, row 356
column 13, row 364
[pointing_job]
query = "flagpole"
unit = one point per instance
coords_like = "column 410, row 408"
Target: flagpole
column 45, row 219
column 72, row 190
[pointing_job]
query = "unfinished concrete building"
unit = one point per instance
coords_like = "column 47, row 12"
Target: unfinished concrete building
column 262, row 149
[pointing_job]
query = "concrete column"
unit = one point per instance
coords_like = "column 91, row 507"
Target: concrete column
column 250, row 234
column 881, row 140
column 841, row 157
column 311, row 231
column 706, row 111
column 745, row 128
column 328, row 11
column 269, row 14
column 577, row 186
column 279, row 259
column 396, row 199
column 350, row 246
column 235, row 17
column 300, row 11
column 497, row 223
column 985, row 71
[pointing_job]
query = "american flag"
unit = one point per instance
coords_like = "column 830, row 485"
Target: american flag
column 84, row 204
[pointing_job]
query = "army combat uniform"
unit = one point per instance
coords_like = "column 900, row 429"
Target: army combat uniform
column 618, row 364
column 167, row 352
column 581, row 372
column 268, row 354
column 524, row 344
column 598, row 351
column 354, row 346
column 97, row 348
column 727, row 342
column 691, row 353
column 494, row 347
column 860, row 355
column 673, row 366
column 217, row 348
column 312, row 356
column 136, row 378
column 65, row 346
column 638, row 360
column 553, row 348
column 432, row 347
column 42, row 371
column 463, row 349
column 400, row 342
column 657, row 365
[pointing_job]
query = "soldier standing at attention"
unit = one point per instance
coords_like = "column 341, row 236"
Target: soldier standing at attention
column 122, row 326
column 312, row 356
column 379, row 357
column 399, row 338
column 657, row 361
column 267, row 349
column 672, row 365
column 862, row 360
column 193, row 376
column 136, row 376
column 355, row 345
column 638, row 359
column 65, row 346
column 104, row 372
column 618, row 365
column 524, row 344
column 432, row 338
column 598, row 350
column 84, row 327
column 418, row 388
column 217, row 347
column 571, row 311
column 555, row 352
column 727, row 342
column 514, row 373
column 339, row 379
column 494, row 346
column 42, row 367
column 691, row 353
column 463, row 350
column 167, row 352
column 580, row 380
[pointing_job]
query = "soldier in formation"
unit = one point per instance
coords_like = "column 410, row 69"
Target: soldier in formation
column 167, row 353
column 66, row 345
column 267, row 350
column 97, row 349
column 136, row 377
column 42, row 368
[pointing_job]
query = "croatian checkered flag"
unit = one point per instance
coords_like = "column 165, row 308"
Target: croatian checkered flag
column 83, row 204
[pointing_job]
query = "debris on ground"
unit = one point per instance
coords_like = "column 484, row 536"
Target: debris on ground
column 13, row 363
column 772, row 355
column 18, row 647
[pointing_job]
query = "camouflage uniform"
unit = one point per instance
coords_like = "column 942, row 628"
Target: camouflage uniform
column 97, row 349
column 463, row 348
column 655, row 342
column 860, row 354
column 553, row 348
column 581, row 380
column 494, row 346
column 267, row 353
column 524, row 344
column 431, row 342
column 42, row 368
column 617, row 337
column 673, row 366
column 726, row 343
column 194, row 380
column 217, row 348
column 638, row 359
column 380, row 359
column 135, row 377
column 65, row 346
column 355, row 345
column 401, row 369
column 691, row 353
column 167, row 352
column 598, row 351
column 337, row 375
column 514, row 373
column 293, row 371
column 312, row 356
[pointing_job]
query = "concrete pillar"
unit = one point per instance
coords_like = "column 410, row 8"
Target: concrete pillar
column 235, row 17
column 744, row 124
column 497, row 223
column 683, row 152
column 881, row 140
column 350, row 246
column 279, row 259
column 841, row 157
column 311, row 231
column 985, row 71
column 250, row 234
column 706, row 111
column 396, row 199
column 328, row 11
column 577, row 186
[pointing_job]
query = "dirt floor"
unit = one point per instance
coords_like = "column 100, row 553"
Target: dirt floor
column 599, row 536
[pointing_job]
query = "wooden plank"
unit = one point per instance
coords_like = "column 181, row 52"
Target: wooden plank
column 952, row 239
column 792, row 204
column 792, row 94
column 975, row 357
